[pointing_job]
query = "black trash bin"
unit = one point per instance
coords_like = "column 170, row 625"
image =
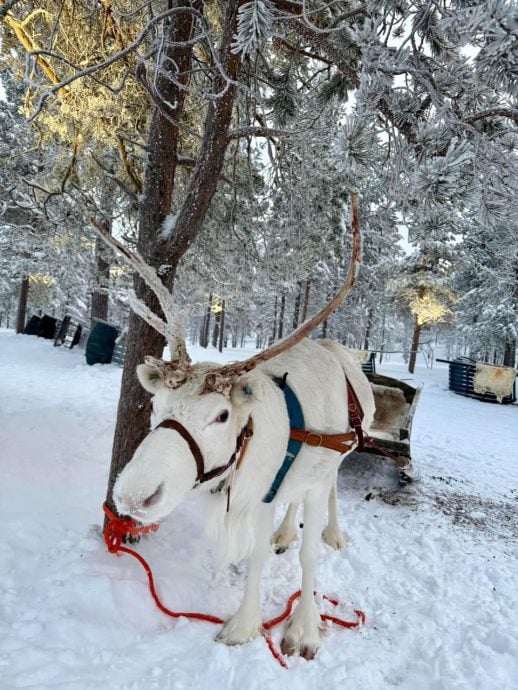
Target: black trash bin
column 47, row 327
column 100, row 344
column 33, row 325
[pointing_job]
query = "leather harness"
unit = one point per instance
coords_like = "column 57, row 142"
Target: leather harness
column 242, row 441
column 341, row 443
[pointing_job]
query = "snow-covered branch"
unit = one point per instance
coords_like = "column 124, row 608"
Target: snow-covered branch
column 257, row 132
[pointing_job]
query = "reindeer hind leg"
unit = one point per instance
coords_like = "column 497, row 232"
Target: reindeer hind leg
column 332, row 534
column 286, row 533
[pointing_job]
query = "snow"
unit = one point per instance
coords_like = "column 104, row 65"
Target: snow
column 433, row 566
column 169, row 226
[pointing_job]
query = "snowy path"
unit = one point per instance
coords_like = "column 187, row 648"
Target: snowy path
column 434, row 568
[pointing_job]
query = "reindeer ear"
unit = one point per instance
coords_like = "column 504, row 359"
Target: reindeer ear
column 247, row 388
column 149, row 377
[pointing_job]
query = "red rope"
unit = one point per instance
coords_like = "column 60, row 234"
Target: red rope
column 114, row 532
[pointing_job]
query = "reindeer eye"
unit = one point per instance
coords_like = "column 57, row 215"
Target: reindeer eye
column 222, row 417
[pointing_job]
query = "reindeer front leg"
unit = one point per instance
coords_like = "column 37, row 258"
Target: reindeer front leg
column 303, row 633
column 246, row 623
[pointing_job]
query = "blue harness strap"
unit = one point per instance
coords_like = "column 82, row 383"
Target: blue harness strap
column 296, row 422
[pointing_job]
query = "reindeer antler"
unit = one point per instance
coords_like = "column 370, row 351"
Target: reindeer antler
column 215, row 380
column 175, row 373
column 168, row 328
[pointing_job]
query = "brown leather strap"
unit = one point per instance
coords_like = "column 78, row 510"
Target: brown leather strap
column 336, row 442
column 248, row 433
column 202, row 476
column 193, row 446
column 355, row 415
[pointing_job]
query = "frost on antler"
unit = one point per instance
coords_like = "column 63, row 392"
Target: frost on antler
column 171, row 328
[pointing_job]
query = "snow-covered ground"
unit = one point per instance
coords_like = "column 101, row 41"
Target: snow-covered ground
column 434, row 567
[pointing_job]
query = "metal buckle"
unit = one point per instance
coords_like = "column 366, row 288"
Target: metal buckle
column 317, row 436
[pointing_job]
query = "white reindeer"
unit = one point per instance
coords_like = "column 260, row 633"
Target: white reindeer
column 201, row 439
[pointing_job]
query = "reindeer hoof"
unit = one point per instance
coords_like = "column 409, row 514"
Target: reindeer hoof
column 282, row 540
column 335, row 539
column 308, row 652
column 290, row 648
column 239, row 631
column 303, row 633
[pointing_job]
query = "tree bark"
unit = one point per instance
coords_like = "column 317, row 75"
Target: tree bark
column 215, row 330
column 100, row 296
column 163, row 142
column 274, row 329
column 510, row 353
column 280, row 332
column 22, row 305
column 415, row 346
column 370, row 321
column 296, row 307
column 206, row 323
column 382, row 346
column 325, row 324
column 222, row 327
column 305, row 304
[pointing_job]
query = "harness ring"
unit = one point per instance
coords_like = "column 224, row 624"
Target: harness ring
column 317, row 436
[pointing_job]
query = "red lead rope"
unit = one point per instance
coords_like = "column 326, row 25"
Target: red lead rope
column 114, row 532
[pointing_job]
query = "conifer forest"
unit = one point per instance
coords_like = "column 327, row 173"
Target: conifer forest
column 223, row 140
column 202, row 184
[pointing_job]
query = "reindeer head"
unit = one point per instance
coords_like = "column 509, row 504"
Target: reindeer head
column 201, row 413
column 197, row 436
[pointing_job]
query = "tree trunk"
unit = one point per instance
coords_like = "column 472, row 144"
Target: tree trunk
column 296, row 308
column 281, row 316
column 382, row 346
column 415, row 347
column 305, row 304
column 510, row 353
column 134, row 404
column 22, row 305
column 100, row 293
column 215, row 331
column 100, row 296
column 274, row 329
column 222, row 326
column 163, row 141
column 370, row 321
column 325, row 324
column 206, row 323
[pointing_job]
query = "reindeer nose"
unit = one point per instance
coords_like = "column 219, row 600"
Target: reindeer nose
column 154, row 498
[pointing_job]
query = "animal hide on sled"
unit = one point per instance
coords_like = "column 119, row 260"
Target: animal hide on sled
column 391, row 412
column 361, row 355
column 492, row 379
